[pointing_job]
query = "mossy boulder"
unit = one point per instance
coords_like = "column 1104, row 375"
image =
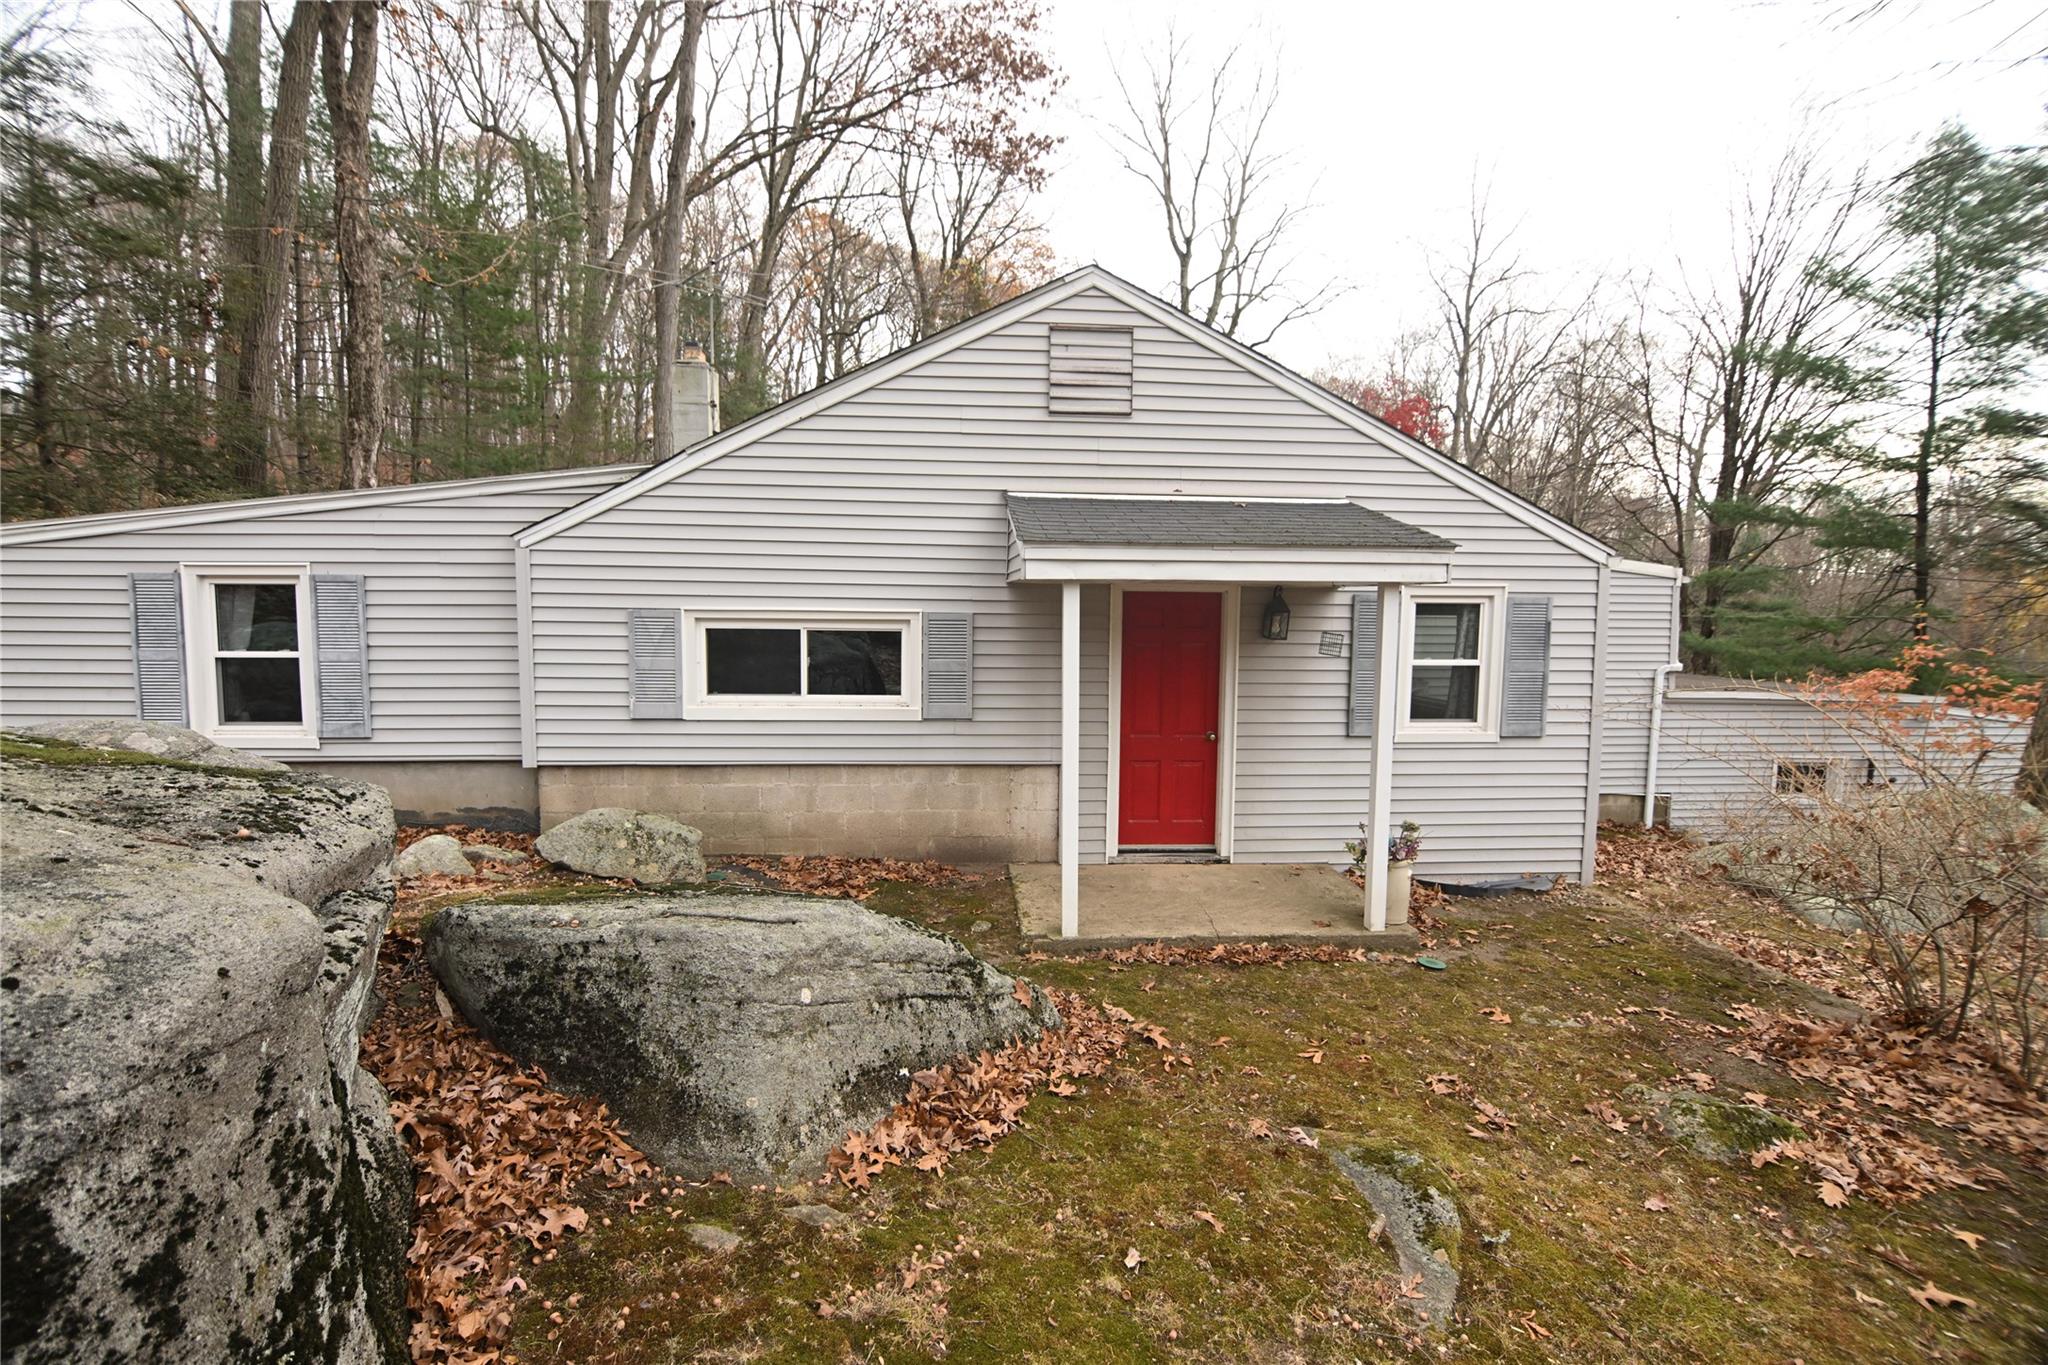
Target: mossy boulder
column 729, row 1032
column 1420, row 1208
column 193, row 1164
column 1717, row 1129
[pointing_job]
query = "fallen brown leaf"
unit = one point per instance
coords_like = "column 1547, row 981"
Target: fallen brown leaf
column 1927, row 1296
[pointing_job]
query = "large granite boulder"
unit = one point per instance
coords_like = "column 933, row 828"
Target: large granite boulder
column 154, row 739
column 746, row 1033
column 614, row 842
column 193, row 1167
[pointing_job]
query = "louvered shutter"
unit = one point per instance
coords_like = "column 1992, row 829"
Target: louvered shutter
column 1365, row 661
column 1090, row 371
column 1525, row 677
column 654, row 657
column 948, row 666
column 157, row 611
column 342, row 645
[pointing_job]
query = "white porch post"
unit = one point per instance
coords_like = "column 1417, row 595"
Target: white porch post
column 1379, row 819
column 1070, row 760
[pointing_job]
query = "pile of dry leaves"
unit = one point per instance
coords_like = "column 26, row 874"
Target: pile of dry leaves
column 497, row 1157
column 1883, row 1079
column 851, row 878
column 1631, row 855
column 972, row 1101
column 1261, row 954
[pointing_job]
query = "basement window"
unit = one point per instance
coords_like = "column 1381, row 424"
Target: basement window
column 1801, row 777
column 820, row 663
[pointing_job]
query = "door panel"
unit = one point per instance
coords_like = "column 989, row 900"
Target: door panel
column 1172, row 656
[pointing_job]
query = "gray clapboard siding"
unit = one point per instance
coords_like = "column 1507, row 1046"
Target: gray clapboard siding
column 441, row 627
column 892, row 499
column 1719, row 754
column 1641, row 637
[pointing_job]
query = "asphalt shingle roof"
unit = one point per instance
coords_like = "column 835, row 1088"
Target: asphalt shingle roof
column 1045, row 520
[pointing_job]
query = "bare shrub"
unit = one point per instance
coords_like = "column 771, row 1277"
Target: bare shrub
column 1946, row 880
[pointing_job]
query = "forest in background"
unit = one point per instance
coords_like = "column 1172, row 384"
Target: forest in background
column 359, row 243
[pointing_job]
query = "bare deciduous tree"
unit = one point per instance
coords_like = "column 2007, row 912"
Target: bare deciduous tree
column 1202, row 141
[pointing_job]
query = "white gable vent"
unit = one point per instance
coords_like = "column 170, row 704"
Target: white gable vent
column 1091, row 371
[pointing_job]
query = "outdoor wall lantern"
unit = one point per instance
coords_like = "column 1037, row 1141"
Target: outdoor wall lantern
column 1273, row 625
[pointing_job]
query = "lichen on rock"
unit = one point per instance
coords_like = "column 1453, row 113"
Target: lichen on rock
column 193, row 1167
column 746, row 1033
column 1419, row 1208
column 1717, row 1129
column 633, row 845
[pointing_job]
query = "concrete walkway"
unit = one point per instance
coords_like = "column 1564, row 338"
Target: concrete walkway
column 1136, row 902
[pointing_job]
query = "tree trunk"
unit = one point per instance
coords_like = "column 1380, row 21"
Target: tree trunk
column 270, row 252
column 242, row 202
column 2032, row 786
column 348, row 75
column 668, row 243
column 581, row 423
column 1923, row 497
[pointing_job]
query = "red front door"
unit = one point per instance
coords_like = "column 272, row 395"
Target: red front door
column 1167, row 775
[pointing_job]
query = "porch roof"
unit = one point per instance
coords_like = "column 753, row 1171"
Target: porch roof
column 1067, row 538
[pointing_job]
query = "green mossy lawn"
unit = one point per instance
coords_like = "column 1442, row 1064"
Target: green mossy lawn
column 1146, row 1218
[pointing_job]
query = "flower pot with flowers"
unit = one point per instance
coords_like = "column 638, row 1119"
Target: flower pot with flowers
column 1402, row 849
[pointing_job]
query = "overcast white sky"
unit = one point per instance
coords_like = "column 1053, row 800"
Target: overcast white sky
column 1616, row 133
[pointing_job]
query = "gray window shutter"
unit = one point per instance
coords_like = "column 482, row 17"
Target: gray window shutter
column 158, row 615
column 340, row 638
column 948, row 665
column 654, row 660
column 1365, row 663
column 1525, row 677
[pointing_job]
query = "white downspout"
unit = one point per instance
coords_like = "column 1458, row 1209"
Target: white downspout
column 1657, row 680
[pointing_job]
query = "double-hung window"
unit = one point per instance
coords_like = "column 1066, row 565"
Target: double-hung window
column 804, row 662
column 1449, row 681
column 252, row 655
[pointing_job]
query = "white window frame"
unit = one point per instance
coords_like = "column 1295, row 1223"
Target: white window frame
column 201, row 649
column 701, row 704
column 1492, row 604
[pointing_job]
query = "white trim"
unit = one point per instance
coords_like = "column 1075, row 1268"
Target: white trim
column 1156, row 310
column 1113, row 778
column 1070, row 760
column 1648, row 568
column 1588, row 855
column 1222, row 565
column 529, row 705
column 1492, row 600
column 1229, row 614
column 700, row 704
column 1226, row 727
column 1379, row 815
column 202, row 701
column 292, row 504
column 1093, row 496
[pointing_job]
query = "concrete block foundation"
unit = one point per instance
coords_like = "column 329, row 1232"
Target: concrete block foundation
column 1626, row 808
column 489, row 795
column 962, row 813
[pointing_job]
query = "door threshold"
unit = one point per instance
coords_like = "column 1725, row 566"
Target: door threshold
column 1169, row 855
